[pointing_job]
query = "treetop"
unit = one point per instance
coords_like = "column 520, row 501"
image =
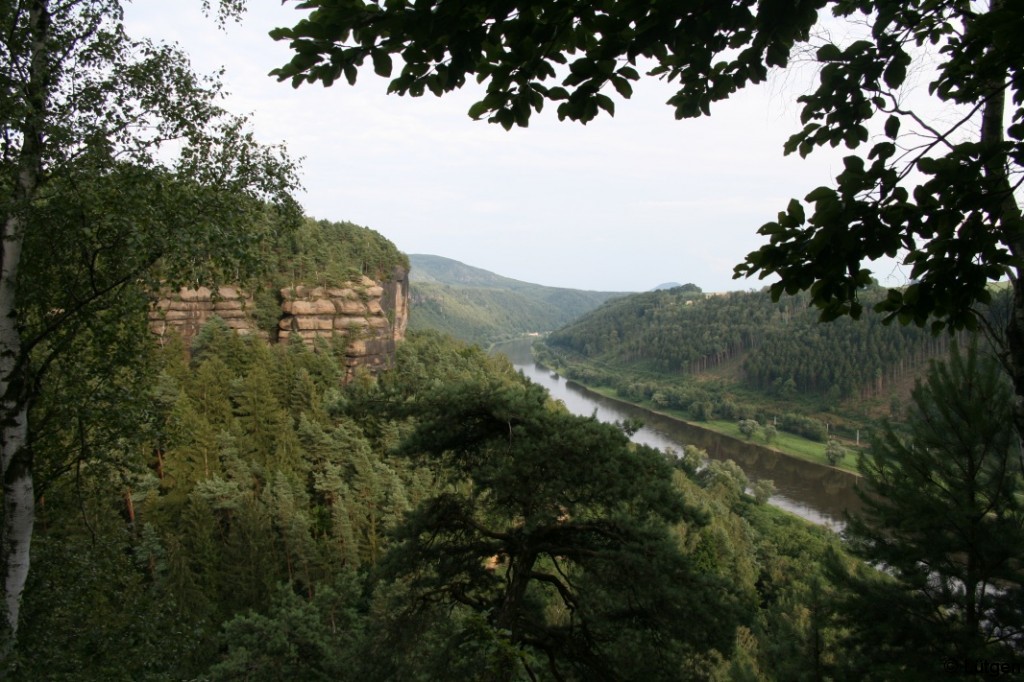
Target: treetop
column 531, row 51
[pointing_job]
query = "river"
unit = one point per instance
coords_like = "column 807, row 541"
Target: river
column 817, row 493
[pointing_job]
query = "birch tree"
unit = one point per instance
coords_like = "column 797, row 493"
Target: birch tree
column 120, row 169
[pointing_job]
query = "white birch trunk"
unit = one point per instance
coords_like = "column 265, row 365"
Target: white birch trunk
column 15, row 455
column 19, row 496
column 15, row 458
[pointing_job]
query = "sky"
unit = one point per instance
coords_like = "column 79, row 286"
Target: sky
column 620, row 204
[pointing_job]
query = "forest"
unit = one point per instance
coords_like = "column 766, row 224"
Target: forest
column 229, row 508
column 777, row 345
column 232, row 510
column 251, row 517
column 742, row 356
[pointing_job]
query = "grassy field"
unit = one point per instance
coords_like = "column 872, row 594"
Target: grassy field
column 784, row 443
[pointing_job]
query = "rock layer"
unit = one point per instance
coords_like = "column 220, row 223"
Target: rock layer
column 369, row 317
column 185, row 312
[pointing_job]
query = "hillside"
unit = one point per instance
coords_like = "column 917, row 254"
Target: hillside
column 741, row 355
column 233, row 508
column 775, row 346
column 479, row 306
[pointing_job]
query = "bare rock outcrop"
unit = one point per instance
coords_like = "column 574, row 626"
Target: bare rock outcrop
column 367, row 316
column 185, row 312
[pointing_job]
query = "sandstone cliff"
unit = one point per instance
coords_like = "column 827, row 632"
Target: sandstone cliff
column 368, row 316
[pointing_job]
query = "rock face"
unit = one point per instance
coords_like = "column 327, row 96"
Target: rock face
column 187, row 311
column 371, row 317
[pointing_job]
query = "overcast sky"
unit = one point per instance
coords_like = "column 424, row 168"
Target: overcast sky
column 621, row 204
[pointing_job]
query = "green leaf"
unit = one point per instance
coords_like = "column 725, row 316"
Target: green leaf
column 892, row 127
column 478, row 109
column 882, row 151
column 350, row 73
column 896, row 71
column 623, row 87
column 557, row 93
column 820, row 193
column 854, row 164
column 829, row 53
column 381, row 63
column 629, row 72
column 605, row 102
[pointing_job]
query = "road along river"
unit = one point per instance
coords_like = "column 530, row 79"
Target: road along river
column 817, row 493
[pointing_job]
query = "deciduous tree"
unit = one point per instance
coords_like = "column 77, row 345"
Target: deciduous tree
column 749, row 427
column 119, row 169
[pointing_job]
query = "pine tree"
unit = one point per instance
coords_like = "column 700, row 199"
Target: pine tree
column 944, row 517
column 551, row 539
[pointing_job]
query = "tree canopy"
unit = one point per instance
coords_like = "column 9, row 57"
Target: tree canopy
column 247, row 515
column 943, row 515
column 555, row 531
column 567, row 51
column 118, row 170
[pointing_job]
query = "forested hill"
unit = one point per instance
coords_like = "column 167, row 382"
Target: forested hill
column 326, row 253
column 480, row 307
column 775, row 347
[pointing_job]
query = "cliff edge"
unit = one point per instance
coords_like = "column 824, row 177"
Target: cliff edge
column 368, row 316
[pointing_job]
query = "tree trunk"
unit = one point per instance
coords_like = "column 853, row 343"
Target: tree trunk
column 1009, row 216
column 508, row 615
column 19, row 511
column 1015, row 352
column 15, row 455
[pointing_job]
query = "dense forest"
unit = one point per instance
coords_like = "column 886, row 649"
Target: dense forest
column 740, row 356
column 251, row 517
column 778, row 346
column 480, row 307
column 317, row 253
column 235, row 509
column 328, row 253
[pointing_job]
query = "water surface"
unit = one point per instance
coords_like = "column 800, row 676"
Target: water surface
column 817, row 493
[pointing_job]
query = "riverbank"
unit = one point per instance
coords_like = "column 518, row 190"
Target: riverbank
column 820, row 494
column 785, row 444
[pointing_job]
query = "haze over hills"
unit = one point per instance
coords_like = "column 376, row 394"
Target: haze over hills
column 480, row 306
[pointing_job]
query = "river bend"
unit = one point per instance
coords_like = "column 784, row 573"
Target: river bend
column 817, row 493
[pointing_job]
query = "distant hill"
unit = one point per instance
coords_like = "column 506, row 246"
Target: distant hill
column 743, row 341
column 479, row 306
column 441, row 270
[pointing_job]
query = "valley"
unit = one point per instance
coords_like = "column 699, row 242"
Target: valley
column 241, row 442
column 481, row 307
